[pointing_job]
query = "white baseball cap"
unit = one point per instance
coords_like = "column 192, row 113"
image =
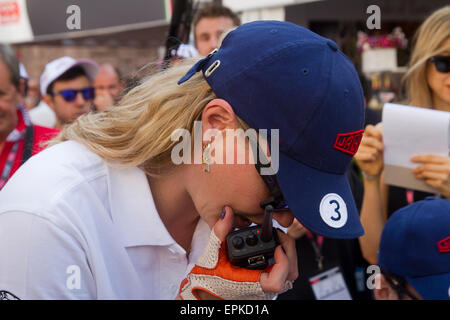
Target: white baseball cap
column 23, row 71
column 53, row 70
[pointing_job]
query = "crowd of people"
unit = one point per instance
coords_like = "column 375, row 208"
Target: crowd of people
column 88, row 183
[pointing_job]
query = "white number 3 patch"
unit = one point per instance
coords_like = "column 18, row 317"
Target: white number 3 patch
column 333, row 210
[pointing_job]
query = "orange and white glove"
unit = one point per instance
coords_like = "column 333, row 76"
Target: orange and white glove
column 215, row 275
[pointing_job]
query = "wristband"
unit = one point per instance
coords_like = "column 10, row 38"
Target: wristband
column 370, row 177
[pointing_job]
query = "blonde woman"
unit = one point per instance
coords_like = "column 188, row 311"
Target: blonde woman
column 428, row 86
column 110, row 212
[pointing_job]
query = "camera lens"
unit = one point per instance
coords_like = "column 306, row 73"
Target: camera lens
column 252, row 239
column 238, row 242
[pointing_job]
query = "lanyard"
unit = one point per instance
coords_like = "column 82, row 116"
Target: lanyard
column 9, row 163
column 316, row 242
column 25, row 131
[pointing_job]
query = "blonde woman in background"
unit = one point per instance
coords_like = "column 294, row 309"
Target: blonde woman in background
column 427, row 86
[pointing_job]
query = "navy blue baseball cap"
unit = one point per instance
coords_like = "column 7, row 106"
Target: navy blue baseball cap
column 277, row 75
column 415, row 244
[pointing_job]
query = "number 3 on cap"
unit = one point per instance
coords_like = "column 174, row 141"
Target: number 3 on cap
column 333, row 210
column 336, row 210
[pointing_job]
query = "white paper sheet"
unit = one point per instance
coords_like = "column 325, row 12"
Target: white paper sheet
column 408, row 132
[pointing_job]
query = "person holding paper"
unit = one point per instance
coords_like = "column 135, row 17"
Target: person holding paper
column 428, row 86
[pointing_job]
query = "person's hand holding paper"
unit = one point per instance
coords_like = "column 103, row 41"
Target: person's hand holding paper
column 370, row 152
column 434, row 171
column 416, row 148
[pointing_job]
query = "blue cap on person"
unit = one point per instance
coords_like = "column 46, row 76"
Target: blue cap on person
column 277, row 75
column 415, row 244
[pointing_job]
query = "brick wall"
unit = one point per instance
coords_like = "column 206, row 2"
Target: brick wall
column 127, row 59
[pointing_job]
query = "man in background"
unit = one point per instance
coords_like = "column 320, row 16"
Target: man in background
column 209, row 23
column 108, row 87
column 19, row 139
column 33, row 95
column 66, row 87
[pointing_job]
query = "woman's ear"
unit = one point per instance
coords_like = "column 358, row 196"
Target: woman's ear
column 218, row 114
column 383, row 290
column 218, row 119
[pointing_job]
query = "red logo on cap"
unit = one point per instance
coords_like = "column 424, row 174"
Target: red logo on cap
column 444, row 245
column 348, row 142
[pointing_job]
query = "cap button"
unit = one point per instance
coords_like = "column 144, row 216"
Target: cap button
column 332, row 45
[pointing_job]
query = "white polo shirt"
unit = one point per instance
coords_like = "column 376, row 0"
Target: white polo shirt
column 73, row 227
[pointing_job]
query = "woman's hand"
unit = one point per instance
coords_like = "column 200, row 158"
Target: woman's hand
column 213, row 276
column 296, row 230
column 370, row 152
column 103, row 100
column 435, row 172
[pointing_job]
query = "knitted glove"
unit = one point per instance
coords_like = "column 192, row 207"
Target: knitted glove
column 215, row 275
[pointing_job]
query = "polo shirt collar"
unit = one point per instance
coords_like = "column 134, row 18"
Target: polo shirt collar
column 23, row 121
column 133, row 210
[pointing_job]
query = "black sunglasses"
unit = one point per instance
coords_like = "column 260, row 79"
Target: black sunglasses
column 70, row 95
column 441, row 63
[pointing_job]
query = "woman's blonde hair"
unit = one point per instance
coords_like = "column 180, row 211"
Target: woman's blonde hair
column 430, row 36
column 138, row 131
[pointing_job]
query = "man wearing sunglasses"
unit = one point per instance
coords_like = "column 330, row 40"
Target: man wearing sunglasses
column 19, row 139
column 66, row 86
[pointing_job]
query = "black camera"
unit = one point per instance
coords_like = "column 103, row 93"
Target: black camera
column 253, row 247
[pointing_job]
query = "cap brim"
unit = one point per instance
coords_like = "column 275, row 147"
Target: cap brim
column 89, row 66
column 322, row 202
column 434, row 287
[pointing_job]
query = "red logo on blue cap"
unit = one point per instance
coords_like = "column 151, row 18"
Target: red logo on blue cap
column 444, row 245
column 348, row 142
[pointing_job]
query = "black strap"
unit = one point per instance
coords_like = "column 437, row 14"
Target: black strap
column 28, row 148
column 276, row 198
column 317, row 247
column 398, row 284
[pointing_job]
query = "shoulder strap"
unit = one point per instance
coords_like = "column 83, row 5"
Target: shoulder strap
column 28, row 148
